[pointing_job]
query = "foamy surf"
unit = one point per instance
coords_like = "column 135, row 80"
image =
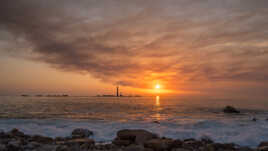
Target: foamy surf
column 241, row 132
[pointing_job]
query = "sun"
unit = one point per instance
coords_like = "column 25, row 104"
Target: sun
column 157, row 86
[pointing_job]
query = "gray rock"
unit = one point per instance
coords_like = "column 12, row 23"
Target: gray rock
column 80, row 141
column 3, row 147
column 263, row 144
column 192, row 144
column 16, row 132
column 137, row 136
column 134, row 148
column 63, row 148
column 41, row 139
column 254, row 119
column 81, row 133
column 230, row 109
column 14, row 146
column 180, row 149
column 263, row 148
column 159, row 144
column 47, row 147
column 120, row 142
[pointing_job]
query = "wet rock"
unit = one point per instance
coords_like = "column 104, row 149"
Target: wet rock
column 156, row 122
column 138, row 136
column 159, row 144
column 228, row 146
column 230, row 109
column 189, row 139
column 47, row 147
column 63, row 148
column 192, row 144
column 134, row 148
column 209, row 147
column 81, row 133
column 206, row 140
column 263, row 148
column 120, row 142
column 180, row 149
column 3, row 147
column 41, row 139
column 14, row 146
column 244, row 149
column 80, row 141
column 263, row 144
column 254, row 119
column 177, row 143
column 16, row 132
column 32, row 145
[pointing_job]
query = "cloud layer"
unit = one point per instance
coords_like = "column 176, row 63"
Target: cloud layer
column 180, row 43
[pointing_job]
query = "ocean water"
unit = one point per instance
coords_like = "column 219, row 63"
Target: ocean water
column 177, row 117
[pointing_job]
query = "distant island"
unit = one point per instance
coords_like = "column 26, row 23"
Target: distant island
column 49, row 95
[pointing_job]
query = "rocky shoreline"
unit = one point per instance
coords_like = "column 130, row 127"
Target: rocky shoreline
column 126, row 140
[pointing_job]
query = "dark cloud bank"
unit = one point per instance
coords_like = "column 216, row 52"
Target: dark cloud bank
column 178, row 41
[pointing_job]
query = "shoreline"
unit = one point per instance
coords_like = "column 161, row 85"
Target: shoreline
column 125, row 140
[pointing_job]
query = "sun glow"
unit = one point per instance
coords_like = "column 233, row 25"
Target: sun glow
column 157, row 86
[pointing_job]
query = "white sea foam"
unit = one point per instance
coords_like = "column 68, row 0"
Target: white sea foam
column 242, row 132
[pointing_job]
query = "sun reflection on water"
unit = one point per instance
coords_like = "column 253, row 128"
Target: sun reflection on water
column 157, row 101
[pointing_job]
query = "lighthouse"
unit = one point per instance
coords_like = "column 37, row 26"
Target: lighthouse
column 117, row 91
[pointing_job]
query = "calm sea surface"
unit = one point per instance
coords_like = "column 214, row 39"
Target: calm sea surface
column 177, row 117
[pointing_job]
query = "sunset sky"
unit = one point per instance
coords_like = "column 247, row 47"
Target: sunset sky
column 215, row 48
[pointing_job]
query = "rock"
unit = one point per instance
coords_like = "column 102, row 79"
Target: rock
column 263, row 148
column 192, row 144
column 63, row 148
column 228, row 146
column 254, row 119
column 47, row 147
column 177, row 143
column 138, row 136
column 3, row 147
column 263, row 144
column 206, row 140
column 81, row 133
column 80, row 141
column 120, row 142
column 156, row 122
column 209, row 147
column 180, row 149
column 159, row 144
column 244, row 149
column 230, row 109
column 14, row 146
column 41, row 139
column 134, row 148
column 16, row 132
column 32, row 145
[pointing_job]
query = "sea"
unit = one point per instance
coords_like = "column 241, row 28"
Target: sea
column 173, row 117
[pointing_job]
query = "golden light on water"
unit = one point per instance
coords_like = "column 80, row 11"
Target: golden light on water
column 157, row 101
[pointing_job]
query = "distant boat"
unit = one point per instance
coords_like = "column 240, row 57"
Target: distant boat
column 24, row 95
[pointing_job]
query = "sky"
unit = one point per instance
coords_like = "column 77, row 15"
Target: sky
column 216, row 48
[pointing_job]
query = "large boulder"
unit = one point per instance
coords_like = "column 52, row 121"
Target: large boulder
column 230, row 109
column 81, row 133
column 159, row 144
column 41, row 139
column 263, row 144
column 137, row 136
